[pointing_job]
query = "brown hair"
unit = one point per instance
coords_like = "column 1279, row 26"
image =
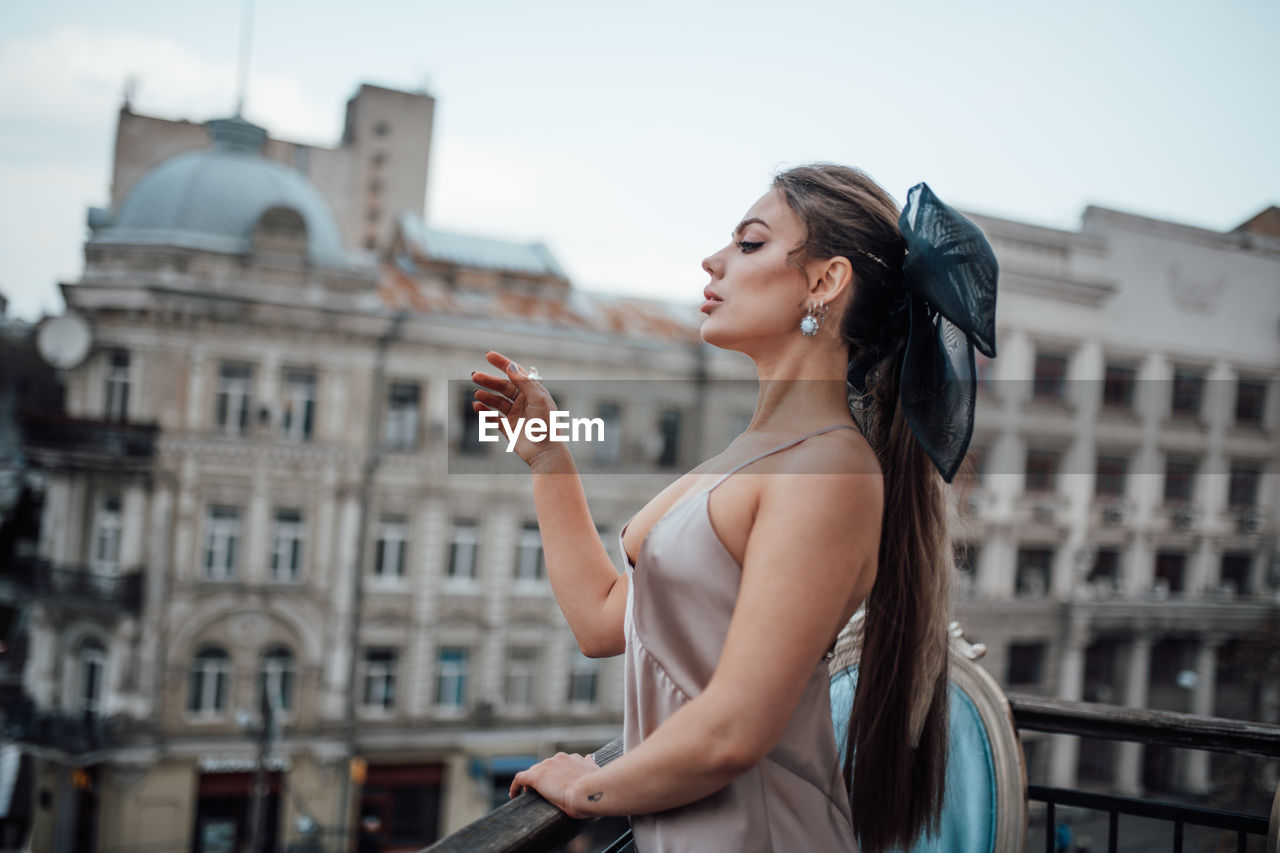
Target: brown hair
column 896, row 785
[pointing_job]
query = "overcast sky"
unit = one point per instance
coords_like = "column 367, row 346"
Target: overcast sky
column 631, row 137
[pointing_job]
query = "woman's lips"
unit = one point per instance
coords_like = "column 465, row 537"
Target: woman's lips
column 711, row 297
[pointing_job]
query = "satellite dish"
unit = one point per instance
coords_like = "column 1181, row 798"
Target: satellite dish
column 64, row 341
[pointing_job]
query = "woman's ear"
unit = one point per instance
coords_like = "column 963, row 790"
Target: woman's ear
column 834, row 276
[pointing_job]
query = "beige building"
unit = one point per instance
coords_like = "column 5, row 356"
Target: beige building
column 262, row 489
column 1120, row 543
column 259, row 492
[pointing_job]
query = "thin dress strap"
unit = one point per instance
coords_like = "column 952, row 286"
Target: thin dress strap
column 782, row 446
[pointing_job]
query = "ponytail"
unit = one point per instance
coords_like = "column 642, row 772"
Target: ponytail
column 896, row 752
column 898, row 723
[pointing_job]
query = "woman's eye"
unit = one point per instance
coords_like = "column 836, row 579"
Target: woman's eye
column 748, row 247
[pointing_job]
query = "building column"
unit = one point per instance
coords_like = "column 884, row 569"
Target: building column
column 1066, row 748
column 1196, row 767
column 1128, row 773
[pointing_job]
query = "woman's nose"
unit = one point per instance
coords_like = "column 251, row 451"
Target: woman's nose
column 711, row 266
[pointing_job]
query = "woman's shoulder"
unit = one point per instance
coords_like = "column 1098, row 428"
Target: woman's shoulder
column 840, row 451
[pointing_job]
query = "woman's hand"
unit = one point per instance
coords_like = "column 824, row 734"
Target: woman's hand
column 553, row 778
column 514, row 396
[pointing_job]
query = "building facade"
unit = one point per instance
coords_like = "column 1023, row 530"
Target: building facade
column 1119, row 539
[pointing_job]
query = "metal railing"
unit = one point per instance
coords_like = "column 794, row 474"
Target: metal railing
column 530, row 824
column 77, row 585
column 117, row 440
column 74, row 738
column 1165, row 728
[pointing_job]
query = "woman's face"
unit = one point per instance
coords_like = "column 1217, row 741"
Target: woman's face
column 754, row 295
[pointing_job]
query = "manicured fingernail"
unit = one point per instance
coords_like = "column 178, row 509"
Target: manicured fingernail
column 513, row 367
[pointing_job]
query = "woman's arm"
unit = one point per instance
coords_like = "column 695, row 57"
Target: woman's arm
column 590, row 592
column 587, row 586
column 810, row 555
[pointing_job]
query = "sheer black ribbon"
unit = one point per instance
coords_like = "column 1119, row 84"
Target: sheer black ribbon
column 950, row 274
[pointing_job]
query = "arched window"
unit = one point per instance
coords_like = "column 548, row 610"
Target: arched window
column 92, row 665
column 210, row 678
column 276, row 678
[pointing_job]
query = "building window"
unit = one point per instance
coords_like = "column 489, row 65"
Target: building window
column 469, row 441
column 1235, row 570
column 276, row 679
column 117, row 390
column 609, row 451
column 299, row 405
column 379, row 678
column 1242, row 487
column 1106, row 568
column 1117, row 386
column 530, row 567
column 584, row 677
column 221, row 543
column 1251, row 399
column 1042, row 470
column 286, row 545
column 1026, row 664
column 382, row 128
column 1050, row 376
column 1111, row 476
column 105, row 546
column 92, row 665
column 1179, row 479
column 1035, row 566
column 1171, row 568
column 1188, row 387
column 234, row 381
column 210, row 676
column 451, row 678
column 984, row 372
column 669, row 429
column 965, row 555
column 393, row 535
column 464, row 543
column 402, row 416
column 522, row 673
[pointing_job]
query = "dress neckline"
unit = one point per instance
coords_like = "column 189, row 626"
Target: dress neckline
column 704, row 494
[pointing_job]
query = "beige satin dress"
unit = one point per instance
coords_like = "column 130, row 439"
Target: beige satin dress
column 682, row 591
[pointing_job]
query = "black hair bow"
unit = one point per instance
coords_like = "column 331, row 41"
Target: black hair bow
column 950, row 272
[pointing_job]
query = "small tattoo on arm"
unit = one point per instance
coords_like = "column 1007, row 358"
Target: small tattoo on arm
column 596, row 796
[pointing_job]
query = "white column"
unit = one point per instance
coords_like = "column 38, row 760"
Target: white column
column 340, row 611
column 1066, row 748
column 133, row 521
column 1129, row 755
column 1196, row 766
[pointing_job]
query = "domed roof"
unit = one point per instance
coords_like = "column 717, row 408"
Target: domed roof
column 212, row 199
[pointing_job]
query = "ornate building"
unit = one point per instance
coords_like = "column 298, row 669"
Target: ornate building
column 259, row 498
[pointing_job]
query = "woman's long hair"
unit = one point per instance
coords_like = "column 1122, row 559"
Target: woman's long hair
column 896, row 754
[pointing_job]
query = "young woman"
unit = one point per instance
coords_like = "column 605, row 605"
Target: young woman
column 741, row 574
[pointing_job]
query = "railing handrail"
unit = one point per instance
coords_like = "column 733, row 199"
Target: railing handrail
column 1170, row 728
column 525, row 824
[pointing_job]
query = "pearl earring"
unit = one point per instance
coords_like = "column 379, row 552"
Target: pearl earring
column 812, row 319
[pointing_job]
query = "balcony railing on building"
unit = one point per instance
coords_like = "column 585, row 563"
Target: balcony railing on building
column 77, row 586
